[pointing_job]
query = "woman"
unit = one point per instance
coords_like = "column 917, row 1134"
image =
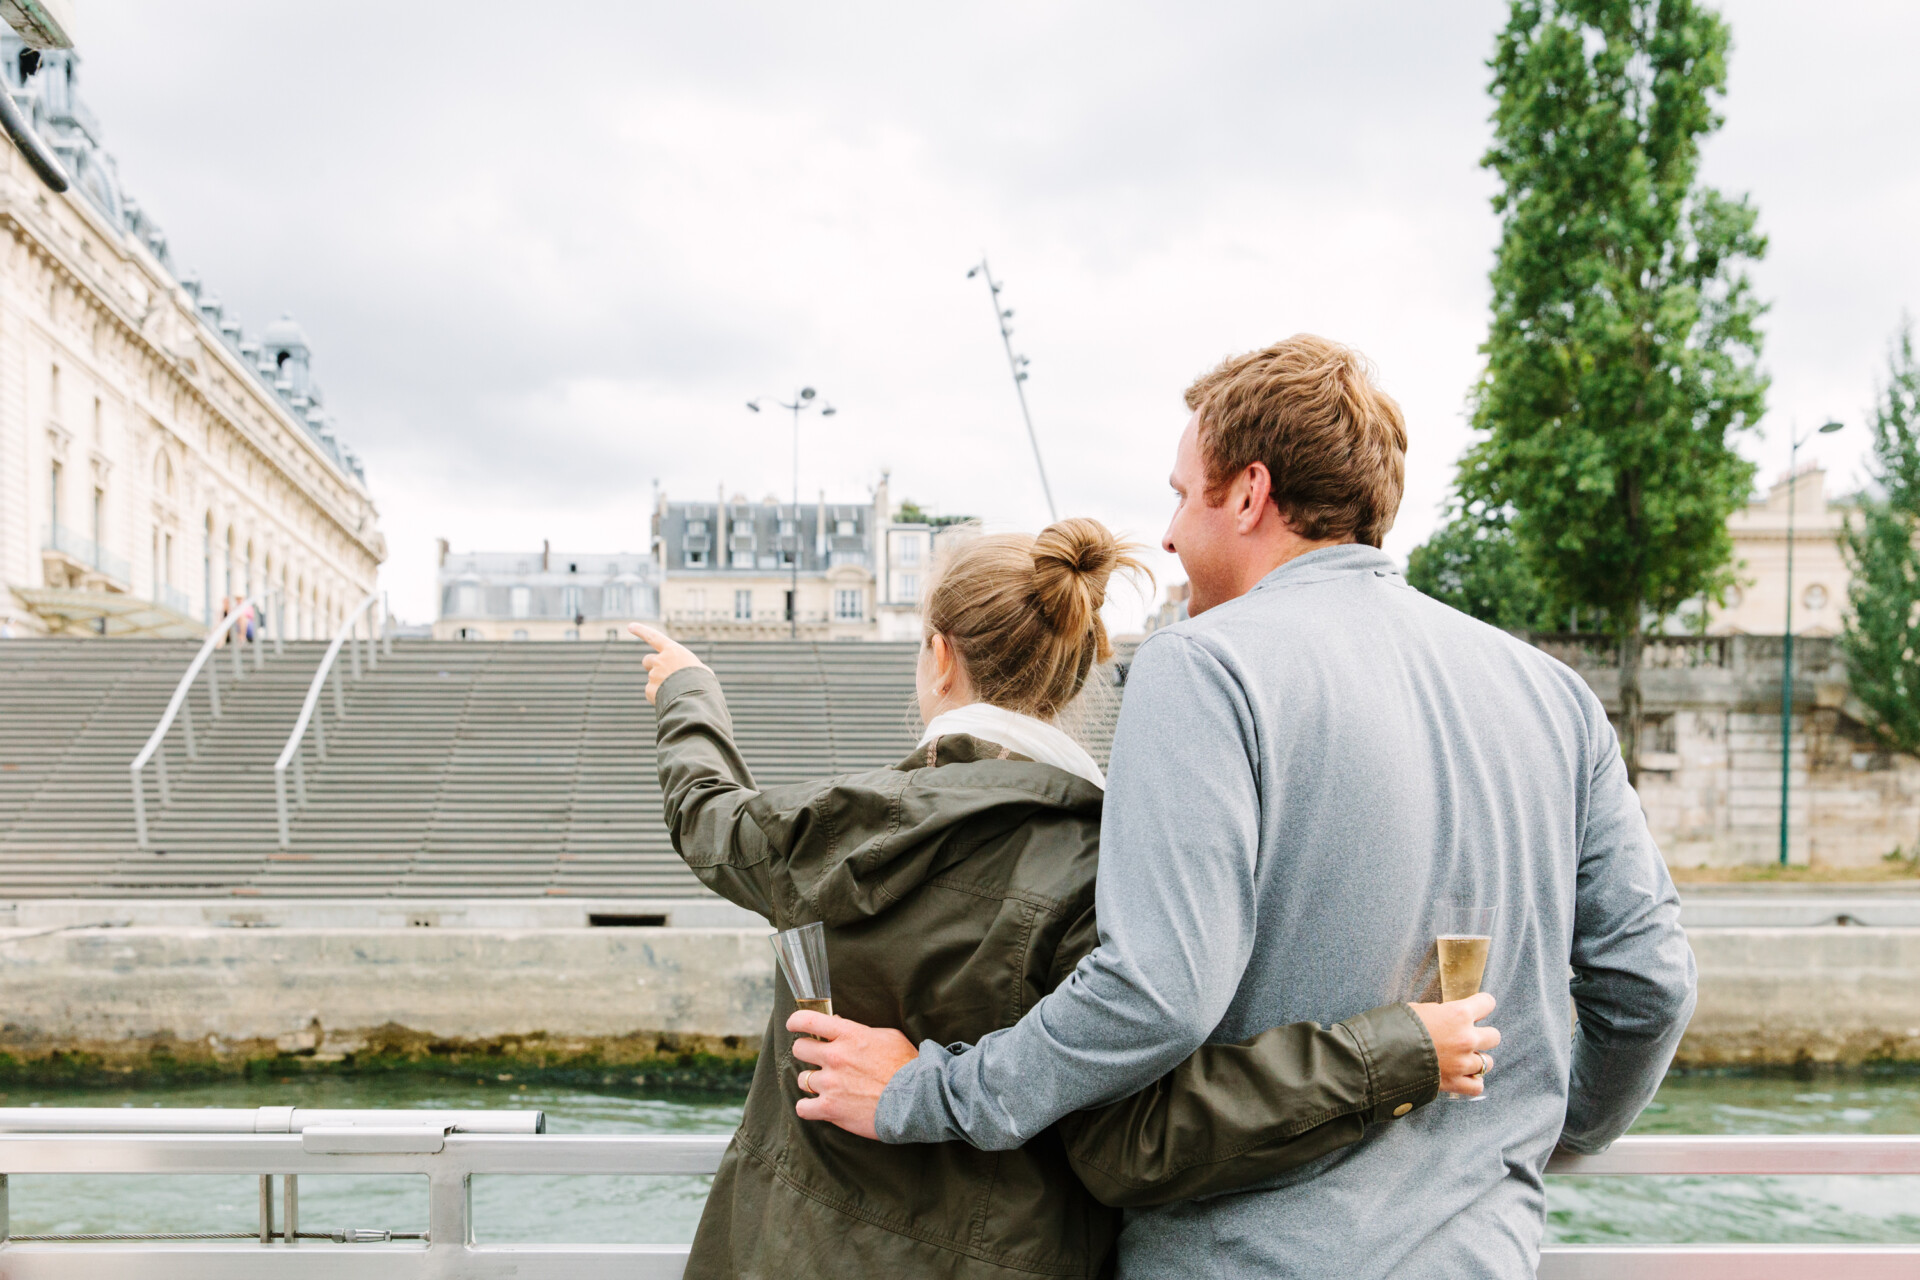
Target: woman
column 957, row 889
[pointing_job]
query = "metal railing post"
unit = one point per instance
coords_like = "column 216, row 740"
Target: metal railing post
column 280, row 806
column 353, row 645
column 300, row 781
column 213, row 689
column 186, row 728
column 290, row 1208
column 259, row 643
column 339, row 696
column 319, row 733
column 386, row 636
column 139, row 807
column 279, row 626
column 160, row 771
column 239, row 667
column 266, row 1208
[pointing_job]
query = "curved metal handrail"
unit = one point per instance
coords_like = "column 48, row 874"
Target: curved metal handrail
column 155, row 749
column 310, row 712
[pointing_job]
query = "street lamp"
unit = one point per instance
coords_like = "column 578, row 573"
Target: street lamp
column 803, row 399
column 1786, row 656
column 1016, row 365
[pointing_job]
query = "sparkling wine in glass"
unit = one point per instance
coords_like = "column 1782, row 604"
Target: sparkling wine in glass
column 1466, row 934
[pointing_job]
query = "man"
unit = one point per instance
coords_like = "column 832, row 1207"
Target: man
column 1306, row 775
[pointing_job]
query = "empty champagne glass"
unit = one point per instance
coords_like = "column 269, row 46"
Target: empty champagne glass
column 803, row 959
column 1466, row 934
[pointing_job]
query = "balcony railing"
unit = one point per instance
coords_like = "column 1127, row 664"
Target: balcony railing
column 434, row 1146
column 85, row 550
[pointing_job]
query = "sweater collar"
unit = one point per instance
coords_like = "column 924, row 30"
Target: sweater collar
column 1330, row 562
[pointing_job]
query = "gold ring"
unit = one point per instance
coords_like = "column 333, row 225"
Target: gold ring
column 1486, row 1064
column 801, row 1080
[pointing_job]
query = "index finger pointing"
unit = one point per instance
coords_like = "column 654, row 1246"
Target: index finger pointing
column 658, row 639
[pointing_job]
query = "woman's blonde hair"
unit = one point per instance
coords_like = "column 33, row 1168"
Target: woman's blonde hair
column 1023, row 612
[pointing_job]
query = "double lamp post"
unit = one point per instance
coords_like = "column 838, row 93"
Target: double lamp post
column 1786, row 656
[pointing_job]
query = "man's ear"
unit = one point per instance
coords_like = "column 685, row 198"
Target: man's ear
column 1251, row 494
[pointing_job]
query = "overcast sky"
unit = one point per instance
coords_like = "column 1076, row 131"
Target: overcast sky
column 544, row 260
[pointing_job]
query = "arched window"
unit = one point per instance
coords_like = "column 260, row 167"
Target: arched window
column 162, row 475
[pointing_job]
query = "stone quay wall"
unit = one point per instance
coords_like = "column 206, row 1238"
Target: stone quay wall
column 1710, row 752
column 686, row 1005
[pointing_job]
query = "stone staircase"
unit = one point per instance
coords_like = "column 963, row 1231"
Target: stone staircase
column 461, row 769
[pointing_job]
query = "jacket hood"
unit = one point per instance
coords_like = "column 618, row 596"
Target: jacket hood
column 853, row 846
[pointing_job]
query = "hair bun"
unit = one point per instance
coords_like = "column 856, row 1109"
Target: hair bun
column 1072, row 561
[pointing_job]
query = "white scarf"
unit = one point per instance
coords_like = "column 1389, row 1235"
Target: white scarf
column 1031, row 737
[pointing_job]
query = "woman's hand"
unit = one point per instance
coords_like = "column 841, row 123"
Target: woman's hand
column 1459, row 1044
column 672, row 656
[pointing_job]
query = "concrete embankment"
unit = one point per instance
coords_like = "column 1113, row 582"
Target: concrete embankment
column 685, row 1005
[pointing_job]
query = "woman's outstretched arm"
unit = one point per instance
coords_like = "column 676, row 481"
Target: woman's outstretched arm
column 705, row 786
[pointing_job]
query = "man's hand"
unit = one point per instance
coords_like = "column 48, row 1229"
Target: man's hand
column 850, row 1067
column 672, row 656
column 1459, row 1044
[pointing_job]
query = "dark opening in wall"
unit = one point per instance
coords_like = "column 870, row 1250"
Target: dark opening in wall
column 615, row 920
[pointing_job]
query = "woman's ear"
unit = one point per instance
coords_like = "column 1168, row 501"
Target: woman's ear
column 942, row 663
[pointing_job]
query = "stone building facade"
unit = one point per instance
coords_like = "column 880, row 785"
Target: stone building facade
column 730, row 569
column 1710, row 765
column 1757, row 605
column 154, row 458
column 543, row 595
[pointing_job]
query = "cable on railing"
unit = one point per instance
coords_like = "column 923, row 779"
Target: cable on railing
column 182, row 707
column 347, row 634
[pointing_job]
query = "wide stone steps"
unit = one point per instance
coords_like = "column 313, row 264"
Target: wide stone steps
column 461, row 769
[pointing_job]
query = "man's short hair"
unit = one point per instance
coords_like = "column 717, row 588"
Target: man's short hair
column 1334, row 443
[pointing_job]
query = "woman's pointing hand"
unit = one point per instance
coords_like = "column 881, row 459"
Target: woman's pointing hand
column 671, row 656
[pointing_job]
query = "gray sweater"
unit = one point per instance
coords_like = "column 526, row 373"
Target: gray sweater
column 1300, row 780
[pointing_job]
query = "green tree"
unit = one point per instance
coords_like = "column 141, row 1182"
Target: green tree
column 1623, row 356
column 1472, row 563
column 1881, row 637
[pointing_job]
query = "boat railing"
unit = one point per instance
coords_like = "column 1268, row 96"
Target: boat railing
column 180, row 707
column 449, row 1154
column 312, row 714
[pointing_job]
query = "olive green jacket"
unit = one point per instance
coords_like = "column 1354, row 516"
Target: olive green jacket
column 957, row 889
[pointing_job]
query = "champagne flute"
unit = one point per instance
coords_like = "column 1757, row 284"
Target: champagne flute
column 1466, row 934
column 803, row 959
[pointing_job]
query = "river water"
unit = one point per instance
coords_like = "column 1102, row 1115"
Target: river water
column 597, row 1210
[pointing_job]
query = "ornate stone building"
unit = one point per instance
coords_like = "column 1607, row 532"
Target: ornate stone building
column 154, row 458
column 1758, row 604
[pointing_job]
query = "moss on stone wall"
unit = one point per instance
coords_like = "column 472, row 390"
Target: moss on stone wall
column 642, row 1059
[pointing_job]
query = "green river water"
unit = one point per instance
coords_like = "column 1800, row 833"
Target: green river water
column 594, row 1210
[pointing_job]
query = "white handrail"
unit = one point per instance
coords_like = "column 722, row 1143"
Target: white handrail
column 155, row 749
column 449, row 1159
column 347, row 633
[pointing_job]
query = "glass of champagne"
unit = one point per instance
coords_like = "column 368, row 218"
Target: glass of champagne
column 803, row 959
column 1466, row 933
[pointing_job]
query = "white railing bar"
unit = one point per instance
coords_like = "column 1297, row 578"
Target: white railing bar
column 310, row 711
column 156, row 740
column 253, row 1152
column 1750, row 1154
column 250, row 1120
column 1729, row 1261
column 258, row 1153
column 324, row 1260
